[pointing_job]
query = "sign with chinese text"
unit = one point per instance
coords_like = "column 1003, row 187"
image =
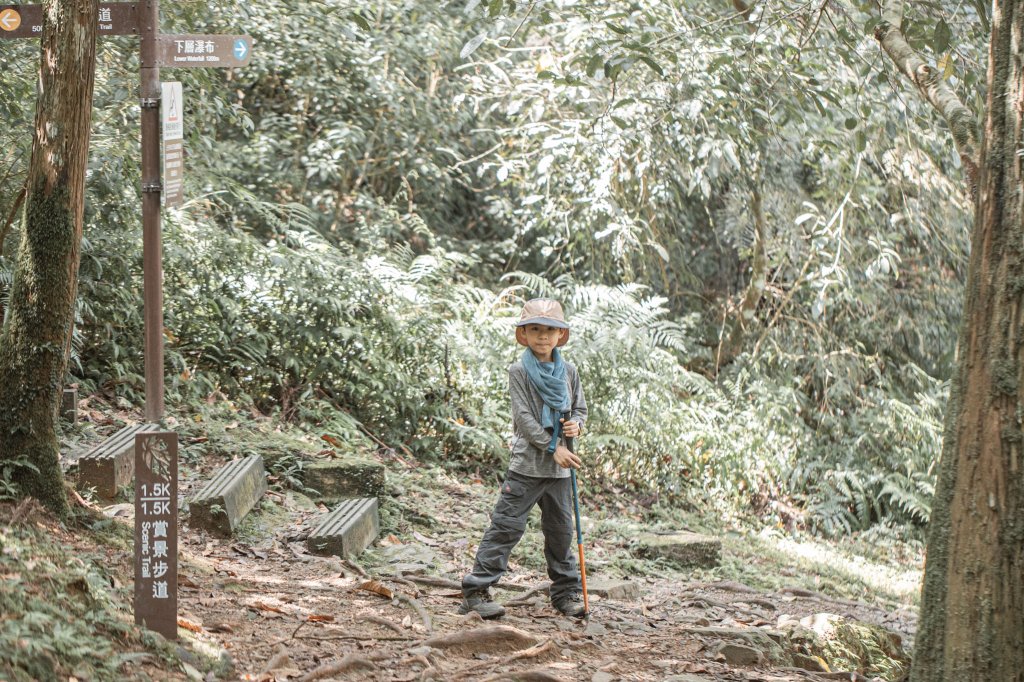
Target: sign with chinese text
column 204, row 51
column 26, row 21
column 173, row 127
column 156, row 532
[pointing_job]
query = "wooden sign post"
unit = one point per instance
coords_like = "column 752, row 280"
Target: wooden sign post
column 156, row 453
column 155, row 51
column 156, row 532
column 171, row 51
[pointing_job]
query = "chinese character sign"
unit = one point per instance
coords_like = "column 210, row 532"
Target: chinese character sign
column 156, row 532
column 173, row 128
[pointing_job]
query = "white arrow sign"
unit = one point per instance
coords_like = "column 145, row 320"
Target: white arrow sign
column 9, row 20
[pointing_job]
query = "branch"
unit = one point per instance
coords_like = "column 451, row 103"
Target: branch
column 743, row 8
column 10, row 217
column 933, row 87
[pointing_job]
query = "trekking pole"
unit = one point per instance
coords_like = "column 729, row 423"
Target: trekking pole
column 579, row 529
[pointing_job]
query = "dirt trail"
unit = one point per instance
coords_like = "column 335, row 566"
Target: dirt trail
column 282, row 614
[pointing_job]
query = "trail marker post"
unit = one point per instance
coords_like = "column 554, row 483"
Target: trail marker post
column 155, row 51
column 156, row 532
column 161, row 103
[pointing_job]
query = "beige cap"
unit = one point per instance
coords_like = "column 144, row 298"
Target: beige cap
column 544, row 311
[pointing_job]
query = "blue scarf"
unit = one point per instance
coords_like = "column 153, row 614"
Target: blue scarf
column 549, row 380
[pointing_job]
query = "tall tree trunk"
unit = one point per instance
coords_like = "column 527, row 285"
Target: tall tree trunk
column 731, row 343
column 972, row 612
column 36, row 336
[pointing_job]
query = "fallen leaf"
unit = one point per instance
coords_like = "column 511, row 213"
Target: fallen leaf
column 185, row 581
column 390, row 540
column 377, row 588
column 266, row 607
column 219, row 627
column 189, row 625
column 424, row 539
column 318, row 618
column 331, row 439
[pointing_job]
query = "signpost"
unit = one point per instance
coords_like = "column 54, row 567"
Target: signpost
column 173, row 127
column 156, row 453
column 192, row 51
column 26, row 21
column 156, row 532
column 156, row 50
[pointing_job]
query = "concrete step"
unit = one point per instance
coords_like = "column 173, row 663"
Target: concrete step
column 623, row 590
column 69, row 405
column 111, row 464
column 347, row 530
column 339, row 479
column 232, row 492
column 682, row 548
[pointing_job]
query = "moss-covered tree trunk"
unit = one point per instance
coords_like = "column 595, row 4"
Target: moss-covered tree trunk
column 972, row 612
column 36, row 335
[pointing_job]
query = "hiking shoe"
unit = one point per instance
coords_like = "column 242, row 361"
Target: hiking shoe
column 481, row 602
column 570, row 605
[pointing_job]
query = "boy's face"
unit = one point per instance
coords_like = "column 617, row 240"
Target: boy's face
column 542, row 339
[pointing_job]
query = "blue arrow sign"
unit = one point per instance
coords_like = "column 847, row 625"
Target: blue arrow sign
column 190, row 51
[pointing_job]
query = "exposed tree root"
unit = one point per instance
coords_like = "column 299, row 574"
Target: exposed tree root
column 278, row 660
column 24, row 509
column 354, row 567
column 357, row 638
column 541, row 650
column 348, row 662
column 491, row 639
column 386, row 623
column 525, row 599
column 408, row 584
column 532, row 675
column 433, row 582
column 418, row 608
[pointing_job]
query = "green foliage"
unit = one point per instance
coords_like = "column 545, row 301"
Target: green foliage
column 371, row 199
column 61, row 617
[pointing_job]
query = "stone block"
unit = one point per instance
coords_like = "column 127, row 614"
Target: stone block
column 623, row 590
column 682, row 548
column 69, row 405
column 225, row 500
column 738, row 654
column 338, row 479
column 111, row 464
column 347, row 530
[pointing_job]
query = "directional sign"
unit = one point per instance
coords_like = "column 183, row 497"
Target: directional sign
column 10, row 20
column 173, row 127
column 26, row 21
column 191, row 51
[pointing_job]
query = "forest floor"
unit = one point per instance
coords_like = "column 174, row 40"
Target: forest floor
column 259, row 607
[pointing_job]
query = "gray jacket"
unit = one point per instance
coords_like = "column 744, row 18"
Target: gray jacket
column 529, row 439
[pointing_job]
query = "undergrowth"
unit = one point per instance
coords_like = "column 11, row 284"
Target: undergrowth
column 64, row 614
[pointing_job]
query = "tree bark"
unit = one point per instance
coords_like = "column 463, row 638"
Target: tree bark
column 36, row 336
column 972, row 610
column 732, row 342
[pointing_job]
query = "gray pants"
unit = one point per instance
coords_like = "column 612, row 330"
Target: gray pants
column 508, row 522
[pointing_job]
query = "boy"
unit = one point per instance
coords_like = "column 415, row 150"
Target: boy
column 547, row 404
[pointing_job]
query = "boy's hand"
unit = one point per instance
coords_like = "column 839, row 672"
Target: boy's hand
column 565, row 458
column 570, row 429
